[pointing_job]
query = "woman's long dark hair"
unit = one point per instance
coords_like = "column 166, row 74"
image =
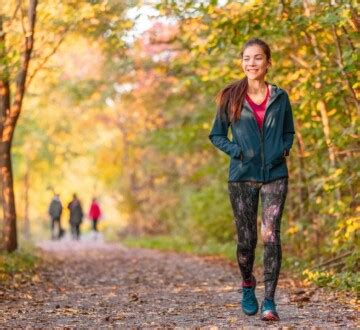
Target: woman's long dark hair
column 231, row 98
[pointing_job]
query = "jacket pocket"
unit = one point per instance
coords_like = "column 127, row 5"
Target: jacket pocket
column 277, row 154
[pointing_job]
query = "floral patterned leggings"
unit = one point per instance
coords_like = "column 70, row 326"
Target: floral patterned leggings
column 244, row 198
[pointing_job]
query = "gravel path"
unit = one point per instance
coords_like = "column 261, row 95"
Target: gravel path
column 94, row 284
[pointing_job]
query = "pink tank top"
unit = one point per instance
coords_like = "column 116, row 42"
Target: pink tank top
column 259, row 109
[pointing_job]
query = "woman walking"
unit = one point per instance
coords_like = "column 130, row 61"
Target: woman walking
column 260, row 116
column 94, row 214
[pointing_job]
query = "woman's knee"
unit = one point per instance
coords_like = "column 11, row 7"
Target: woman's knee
column 270, row 236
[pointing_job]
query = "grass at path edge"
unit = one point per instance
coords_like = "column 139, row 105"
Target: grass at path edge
column 299, row 268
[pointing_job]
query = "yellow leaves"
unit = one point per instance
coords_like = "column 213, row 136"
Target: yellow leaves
column 231, row 305
column 58, row 160
column 160, row 180
column 294, row 75
column 205, row 78
column 232, row 320
column 356, row 85
column 306, row 154
column 331, row 112
column 333, row 180
column 314, row 276
column 36, row 279
column 205, row 126
column 356, row 88
column 210, row 9
column 293, row 230
column 346, row 229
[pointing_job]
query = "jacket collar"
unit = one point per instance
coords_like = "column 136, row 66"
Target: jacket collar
column 274, row 91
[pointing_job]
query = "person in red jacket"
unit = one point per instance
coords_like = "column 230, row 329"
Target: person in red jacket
column 95, row 213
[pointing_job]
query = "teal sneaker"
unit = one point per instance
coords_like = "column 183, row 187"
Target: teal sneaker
column 268, row 310
column 249, row 303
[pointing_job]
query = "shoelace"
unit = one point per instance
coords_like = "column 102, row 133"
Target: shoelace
column 248, row 292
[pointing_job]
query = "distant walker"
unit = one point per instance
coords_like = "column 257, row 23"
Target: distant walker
column 95, row 214
column 76, row 216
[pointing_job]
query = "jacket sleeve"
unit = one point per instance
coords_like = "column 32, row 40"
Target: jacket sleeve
column 288, row 129
column 219, row 135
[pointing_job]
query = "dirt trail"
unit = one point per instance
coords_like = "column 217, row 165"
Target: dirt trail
column 94, row 284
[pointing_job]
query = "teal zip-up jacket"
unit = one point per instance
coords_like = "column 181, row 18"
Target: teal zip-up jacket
column 257, row 154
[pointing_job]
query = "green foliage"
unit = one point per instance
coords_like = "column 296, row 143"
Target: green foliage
column 209, row 215
column 20, row 261
column 344, row 280
column 181, row 244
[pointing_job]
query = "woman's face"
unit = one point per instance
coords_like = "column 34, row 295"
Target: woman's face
column 254, row 63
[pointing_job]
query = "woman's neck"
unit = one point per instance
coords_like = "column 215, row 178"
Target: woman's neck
column 256, row 87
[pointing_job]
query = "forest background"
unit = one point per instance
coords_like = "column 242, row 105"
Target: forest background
column 120, row 100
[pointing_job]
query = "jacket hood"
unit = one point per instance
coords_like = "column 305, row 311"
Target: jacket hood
column 275, row 89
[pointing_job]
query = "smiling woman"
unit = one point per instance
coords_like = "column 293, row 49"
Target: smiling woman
column 261, row 121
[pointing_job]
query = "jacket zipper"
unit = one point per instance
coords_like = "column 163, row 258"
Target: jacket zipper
column 261, row 132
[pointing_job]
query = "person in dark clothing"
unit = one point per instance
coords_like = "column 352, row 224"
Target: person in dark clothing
column 260, row 116
column 76, row 216
column 55, row 211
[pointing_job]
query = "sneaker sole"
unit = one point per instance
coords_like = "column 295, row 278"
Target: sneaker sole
column 250, row 314
column 269, row 316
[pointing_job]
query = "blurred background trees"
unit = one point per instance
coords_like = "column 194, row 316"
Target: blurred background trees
column 122, row 109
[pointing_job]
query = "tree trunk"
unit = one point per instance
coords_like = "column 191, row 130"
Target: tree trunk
column 9, row 230
column 331, row 148
column 9, row 114
column 303, row 186
column 26, row 201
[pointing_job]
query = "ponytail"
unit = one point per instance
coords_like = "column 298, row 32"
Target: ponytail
column 231, row 99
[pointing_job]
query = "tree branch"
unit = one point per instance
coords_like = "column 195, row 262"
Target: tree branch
column 22, row 17
column 354, row 19
column 8, row 25
column 341, row 65
column 300, row 61
column 330, row 261
column 47, row 57
column 4, row 80
column 11, row 118
column 348, row 38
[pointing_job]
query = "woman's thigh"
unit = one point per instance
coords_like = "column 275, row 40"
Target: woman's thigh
column 273, row 196
column 244, row 198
